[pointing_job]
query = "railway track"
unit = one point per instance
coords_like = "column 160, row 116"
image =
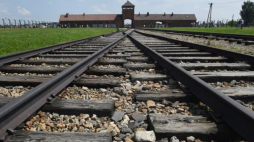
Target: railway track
column 49, row 68
column 126, row 90
column 239, row 39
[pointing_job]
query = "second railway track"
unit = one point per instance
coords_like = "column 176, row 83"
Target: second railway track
column 133, row 93
column 239, row 39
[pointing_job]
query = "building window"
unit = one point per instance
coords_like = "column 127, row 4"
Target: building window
column 111, row 25
column 100, row 25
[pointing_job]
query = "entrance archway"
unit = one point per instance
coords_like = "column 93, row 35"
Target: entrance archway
column 128, row 23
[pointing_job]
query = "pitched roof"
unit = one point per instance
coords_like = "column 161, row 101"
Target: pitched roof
column 118, row 17
column 166, row 17
column 91, row 17
column 128, row 4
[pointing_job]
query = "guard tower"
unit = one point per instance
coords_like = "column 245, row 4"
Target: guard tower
column 128, row 12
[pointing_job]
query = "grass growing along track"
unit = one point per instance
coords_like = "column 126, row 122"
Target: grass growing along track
column 17, row 40
column 227, row 30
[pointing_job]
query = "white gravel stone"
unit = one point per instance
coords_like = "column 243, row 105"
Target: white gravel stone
column 103, row 90
column 145, row 136
column 174, row 139
column 128, row 87
column 190, row 139
column 138, row 82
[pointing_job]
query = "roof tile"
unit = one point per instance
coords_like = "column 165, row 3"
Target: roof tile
column 91, row 17
column 158, row 17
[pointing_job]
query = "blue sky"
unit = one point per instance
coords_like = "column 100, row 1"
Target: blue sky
column 49, row 10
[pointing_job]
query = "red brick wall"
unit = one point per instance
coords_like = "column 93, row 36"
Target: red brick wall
column 128, row 14
column 74, row 24
column 136, row 24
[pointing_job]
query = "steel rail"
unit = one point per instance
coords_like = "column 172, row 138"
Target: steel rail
column 237, row 116
column 226, row 53
column 236, row 36
column 25, row 54
column 18, row 110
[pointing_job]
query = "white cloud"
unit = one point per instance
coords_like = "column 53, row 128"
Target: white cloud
column 101, row 9
column 23, row 11
column 103, row 6
column 3, row 9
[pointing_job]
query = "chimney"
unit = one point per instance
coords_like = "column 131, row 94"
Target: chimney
column 172, row 14
column 139, row 14
column 67, row 15
column 147, row 13
column 164, row 13
column 84, row 14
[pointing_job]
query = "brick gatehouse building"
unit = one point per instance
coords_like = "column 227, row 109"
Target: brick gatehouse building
column 128, row 12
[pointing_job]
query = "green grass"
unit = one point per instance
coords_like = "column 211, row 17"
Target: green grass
column 17, row 40
column 228, row 30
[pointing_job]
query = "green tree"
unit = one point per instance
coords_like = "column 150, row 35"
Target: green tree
column 1, row 26
column 233, row 23
column 247, row 12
